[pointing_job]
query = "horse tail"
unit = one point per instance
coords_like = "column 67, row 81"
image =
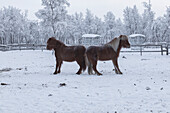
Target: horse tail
column 89, row 64
column 84, row 63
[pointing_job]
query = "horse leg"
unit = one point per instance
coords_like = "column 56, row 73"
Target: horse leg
column 60, row 63
column 117, row 70
column 57, row 64
column 90, row 70
column 80, row 69
column 94, row 63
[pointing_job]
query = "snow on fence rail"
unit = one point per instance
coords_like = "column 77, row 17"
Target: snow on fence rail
column 22, row 47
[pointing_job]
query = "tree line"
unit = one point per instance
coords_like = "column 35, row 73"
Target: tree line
column 54, row 20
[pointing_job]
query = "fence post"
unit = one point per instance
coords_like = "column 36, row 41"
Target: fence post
column 19, row 47
column 141, row 50
column 167, row 50
column 161, row 50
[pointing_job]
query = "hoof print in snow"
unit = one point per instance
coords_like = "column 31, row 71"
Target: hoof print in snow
column 25, row 69
column 3, row 84
column 124, row 57
column 165, row 80
column 44, row 85
column 148, row 88
column 162, row 88
column 5, row 69
column 50, row 95
column 62, row 84
column 19, row 68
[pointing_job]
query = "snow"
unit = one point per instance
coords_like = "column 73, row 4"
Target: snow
column 91, row 35
column 135, row 35
column 143, row 87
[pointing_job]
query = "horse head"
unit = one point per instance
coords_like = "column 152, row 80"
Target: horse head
column 52, row 43
column 118, row 43
column 124, row 41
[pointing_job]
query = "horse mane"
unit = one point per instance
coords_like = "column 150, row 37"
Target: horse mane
column 58, row 42
column 114, row 43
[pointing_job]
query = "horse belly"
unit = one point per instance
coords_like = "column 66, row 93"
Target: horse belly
column 103, row 56
column 68, row 58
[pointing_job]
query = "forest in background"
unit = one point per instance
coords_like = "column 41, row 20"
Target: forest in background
column 54, row 20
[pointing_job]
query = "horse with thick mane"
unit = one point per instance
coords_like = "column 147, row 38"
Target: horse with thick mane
column 109, row 51
column 67, row 53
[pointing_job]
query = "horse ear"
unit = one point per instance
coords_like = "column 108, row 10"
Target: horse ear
column 49, row 39
column 121, row 36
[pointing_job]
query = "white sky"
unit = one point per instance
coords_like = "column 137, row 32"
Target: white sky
column 98, row 7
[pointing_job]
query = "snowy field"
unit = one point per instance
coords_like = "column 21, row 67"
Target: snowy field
column 31, row 87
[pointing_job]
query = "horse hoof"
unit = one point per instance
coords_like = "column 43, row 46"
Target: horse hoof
column 99, row 74
column 78, row 73
column 120, row 73
column 55, row 73
column 58, row 72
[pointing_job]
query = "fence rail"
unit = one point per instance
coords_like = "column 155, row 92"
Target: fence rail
column 162, row 48
column 144, row 48
column 22, row 47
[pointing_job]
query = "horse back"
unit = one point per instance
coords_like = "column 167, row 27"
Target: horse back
column 79, row 50
column 101, row 52
column 70, row 53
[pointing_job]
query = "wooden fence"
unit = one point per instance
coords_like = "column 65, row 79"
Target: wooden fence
column 22, row 47
column 161, row 48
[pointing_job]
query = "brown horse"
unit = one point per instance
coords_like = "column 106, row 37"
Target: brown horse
column 67, row 53
column 109, row 51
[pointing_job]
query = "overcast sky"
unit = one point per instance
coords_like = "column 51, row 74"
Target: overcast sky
column 98, row 7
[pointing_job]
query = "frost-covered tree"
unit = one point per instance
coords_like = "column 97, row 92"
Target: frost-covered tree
column 53, row 17
column 75, row 27
column 98, row 26
column 120, row 27
column 167, row 18
column 12, row 23
column 112, row 26
column 89, row 22
column 147, row 20
column 109, row 20
column 159, row 29
column 132, row 20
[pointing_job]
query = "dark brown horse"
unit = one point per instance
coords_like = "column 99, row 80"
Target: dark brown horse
column 67, row 53
column 109, row 51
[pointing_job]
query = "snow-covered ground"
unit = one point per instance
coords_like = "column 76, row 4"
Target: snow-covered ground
column 144, row 86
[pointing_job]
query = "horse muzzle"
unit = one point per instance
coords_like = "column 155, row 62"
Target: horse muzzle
column 127, row 46
column 49, row 48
